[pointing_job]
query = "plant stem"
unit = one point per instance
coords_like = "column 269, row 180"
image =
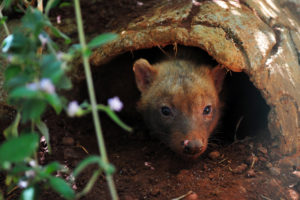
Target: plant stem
column 52, row 50
column 32, row 126
column 4, row 23
column 92, row 96
column 111, row 114
column 90, row 184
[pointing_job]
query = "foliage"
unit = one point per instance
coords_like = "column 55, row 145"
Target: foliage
column 36, row 70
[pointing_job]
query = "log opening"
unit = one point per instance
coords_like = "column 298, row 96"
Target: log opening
column 245, row 112
column 258, row 38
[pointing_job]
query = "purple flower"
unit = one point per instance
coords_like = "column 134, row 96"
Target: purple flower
column 58, row 19
column 32, row 163
column 43, row 39
column 139, row 3
column 47, row 85
column 115, row 104
column 60, row 55
column 23, row 184
column 30, row 173
column 73, row 108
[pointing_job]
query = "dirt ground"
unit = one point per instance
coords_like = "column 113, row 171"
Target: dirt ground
column 239, row 164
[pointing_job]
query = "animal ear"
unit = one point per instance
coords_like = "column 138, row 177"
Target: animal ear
column 144, row 74
column 218, row 74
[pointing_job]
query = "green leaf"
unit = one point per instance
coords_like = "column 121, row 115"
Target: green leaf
column 114, row 117
column 20, row 168
column 12, row 130
column 58, row 33
column 61, row 187
column 17, row 149
column 21, row 44
column 7, row 3
column 23, row 92
column 85, row 105
column 51, row 68
column 54, row 101
column 51, row 4
column 2, row 20
column 34, row 20
column 108, row 168
column 33, row 109
column 87, row 53
column 29, row 194
column 45, row 132
column 101, row 39
column 52, row 167
column 75, row 49
column 12, row 71
column 64, row 83
column 65, row 4
column 64, row 101
column 16, row 81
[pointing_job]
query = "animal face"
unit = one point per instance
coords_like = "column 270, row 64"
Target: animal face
column 179, row 103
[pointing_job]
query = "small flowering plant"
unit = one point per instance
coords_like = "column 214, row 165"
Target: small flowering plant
column 35, row 70
column 32, row 79
column 114, row 104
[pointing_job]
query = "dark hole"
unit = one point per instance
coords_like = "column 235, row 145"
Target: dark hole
column 245, row 112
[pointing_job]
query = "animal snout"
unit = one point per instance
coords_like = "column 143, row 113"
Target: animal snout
column 192, row 147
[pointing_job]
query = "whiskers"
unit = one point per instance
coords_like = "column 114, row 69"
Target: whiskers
column 218, row 138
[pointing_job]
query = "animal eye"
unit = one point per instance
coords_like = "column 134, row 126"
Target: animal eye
column 166, row 111
column 207, row 110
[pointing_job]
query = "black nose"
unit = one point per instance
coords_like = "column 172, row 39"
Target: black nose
column 192, row 147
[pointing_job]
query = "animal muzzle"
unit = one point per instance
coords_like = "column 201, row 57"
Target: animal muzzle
column 192, row 147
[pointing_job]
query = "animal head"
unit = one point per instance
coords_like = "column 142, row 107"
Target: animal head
column 180, row 102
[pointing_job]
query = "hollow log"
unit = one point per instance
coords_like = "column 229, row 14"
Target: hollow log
column 260, row 38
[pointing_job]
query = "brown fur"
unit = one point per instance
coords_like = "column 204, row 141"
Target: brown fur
column 185, row 87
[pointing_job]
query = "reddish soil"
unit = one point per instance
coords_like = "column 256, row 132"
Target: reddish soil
column 147, row 169
column 251, row 168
